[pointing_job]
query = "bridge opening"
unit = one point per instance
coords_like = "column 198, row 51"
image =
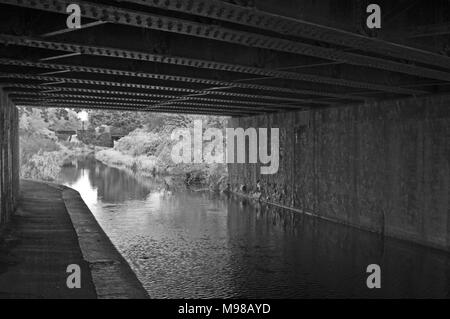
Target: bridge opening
column 361, row 108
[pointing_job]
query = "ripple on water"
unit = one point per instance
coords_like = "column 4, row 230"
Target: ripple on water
column 195, row 245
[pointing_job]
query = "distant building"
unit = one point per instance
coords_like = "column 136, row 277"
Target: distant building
column 102, row 129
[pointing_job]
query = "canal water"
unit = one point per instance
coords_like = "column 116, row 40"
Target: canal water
column 187, row 244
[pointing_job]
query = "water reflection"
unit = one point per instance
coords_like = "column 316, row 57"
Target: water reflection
column 185, row 244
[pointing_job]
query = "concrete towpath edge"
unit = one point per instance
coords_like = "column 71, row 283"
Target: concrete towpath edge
column 112, row 276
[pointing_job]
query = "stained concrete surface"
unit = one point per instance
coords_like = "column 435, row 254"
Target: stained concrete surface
column 51, row 229
column 381, row 166
column 9, row 158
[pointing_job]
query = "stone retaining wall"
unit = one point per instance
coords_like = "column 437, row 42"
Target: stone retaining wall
column 382, row 166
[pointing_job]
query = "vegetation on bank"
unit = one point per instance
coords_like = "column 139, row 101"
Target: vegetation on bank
column 41, row 154
column 145, row 150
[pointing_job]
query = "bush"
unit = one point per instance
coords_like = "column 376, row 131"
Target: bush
column 148, row 164
column 31, row 145
column 148, row 150
column 43, row 166
column 139, row 142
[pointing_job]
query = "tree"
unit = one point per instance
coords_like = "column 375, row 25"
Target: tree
column 32, row 122
column 63, row 120
column 123, row 120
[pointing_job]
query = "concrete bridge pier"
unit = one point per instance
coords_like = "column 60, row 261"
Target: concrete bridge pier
column 9, row 158
column 381, row 166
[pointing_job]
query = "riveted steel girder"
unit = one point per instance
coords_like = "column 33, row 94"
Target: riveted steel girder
column 8, row 86
column 145, row 106
column 40, row 96
column 143, row 56
column 135, row 109
column 67, row 98
column 64, row 67
column 139, row 86
column 242, row 104
column 252, row 17
column 215, row 32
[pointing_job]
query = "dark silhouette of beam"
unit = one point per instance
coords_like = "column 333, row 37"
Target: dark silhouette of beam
column 157, row 76
column 253, row 17
column 143, row 56
column 135, row 109
column 214, row 32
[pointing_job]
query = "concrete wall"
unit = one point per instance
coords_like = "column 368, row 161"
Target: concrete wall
column 9, row 158
column 383, row 167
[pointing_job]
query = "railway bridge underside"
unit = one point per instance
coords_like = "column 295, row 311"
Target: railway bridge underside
column 363, row 113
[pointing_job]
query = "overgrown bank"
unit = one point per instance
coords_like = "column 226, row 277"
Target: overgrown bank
column 147, row 151
column 144, row 150
column 42, row 154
